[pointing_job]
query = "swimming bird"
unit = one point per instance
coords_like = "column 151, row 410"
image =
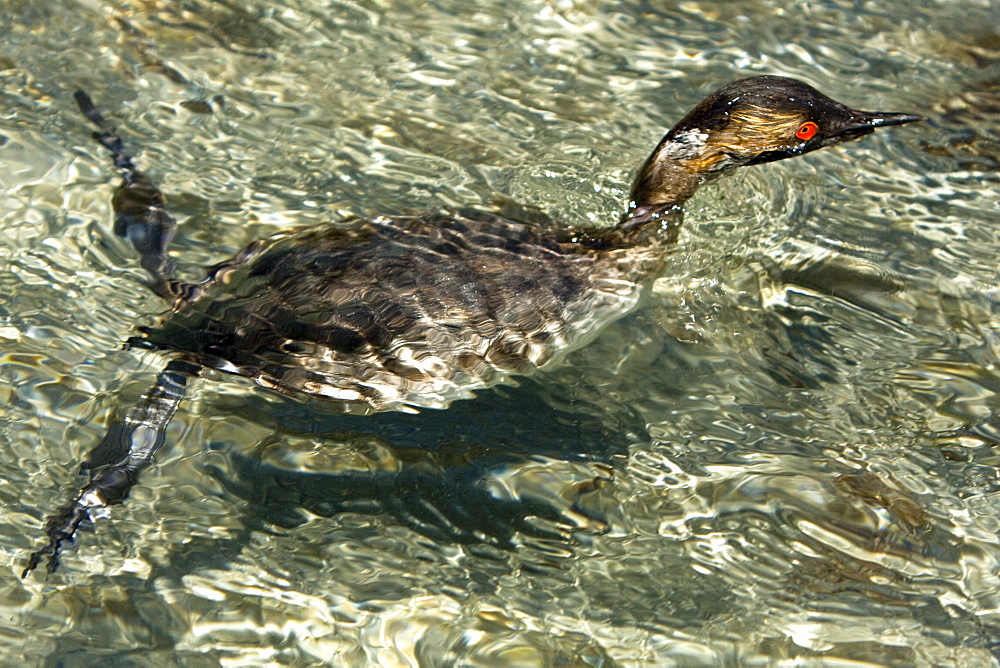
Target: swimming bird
column 399, row 313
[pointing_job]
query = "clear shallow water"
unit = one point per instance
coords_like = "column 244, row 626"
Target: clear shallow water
column 788, row 454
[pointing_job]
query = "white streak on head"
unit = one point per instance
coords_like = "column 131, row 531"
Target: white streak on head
column 687, row 144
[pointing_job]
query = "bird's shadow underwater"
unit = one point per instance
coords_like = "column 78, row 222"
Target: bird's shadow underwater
column 489, row 472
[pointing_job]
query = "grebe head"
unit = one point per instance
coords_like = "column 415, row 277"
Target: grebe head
column 768, row 118
column 749, row 122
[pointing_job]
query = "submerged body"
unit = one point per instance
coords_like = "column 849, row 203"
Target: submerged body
column 399, row 313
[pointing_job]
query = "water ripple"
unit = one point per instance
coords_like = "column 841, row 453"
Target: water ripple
column 787, row 455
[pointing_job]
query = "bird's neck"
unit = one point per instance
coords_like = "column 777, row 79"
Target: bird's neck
column 680, row 164
column 648, row 225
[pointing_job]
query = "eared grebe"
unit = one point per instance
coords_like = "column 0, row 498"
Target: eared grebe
column 407, row 312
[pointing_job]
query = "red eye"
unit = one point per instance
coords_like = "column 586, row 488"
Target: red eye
column 807, row 131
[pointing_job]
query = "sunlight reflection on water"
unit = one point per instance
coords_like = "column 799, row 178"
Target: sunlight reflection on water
column 787, row 454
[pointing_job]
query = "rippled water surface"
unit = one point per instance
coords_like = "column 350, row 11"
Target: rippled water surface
column 788, row 453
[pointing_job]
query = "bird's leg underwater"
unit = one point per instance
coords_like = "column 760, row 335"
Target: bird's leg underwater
column 115, row 463
column 140, row 210
column 130, row 442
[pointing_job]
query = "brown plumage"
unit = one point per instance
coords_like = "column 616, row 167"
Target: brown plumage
column 404, row 312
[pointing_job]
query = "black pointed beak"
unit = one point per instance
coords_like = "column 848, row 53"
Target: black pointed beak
column 880, row 120
column 864, row 122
